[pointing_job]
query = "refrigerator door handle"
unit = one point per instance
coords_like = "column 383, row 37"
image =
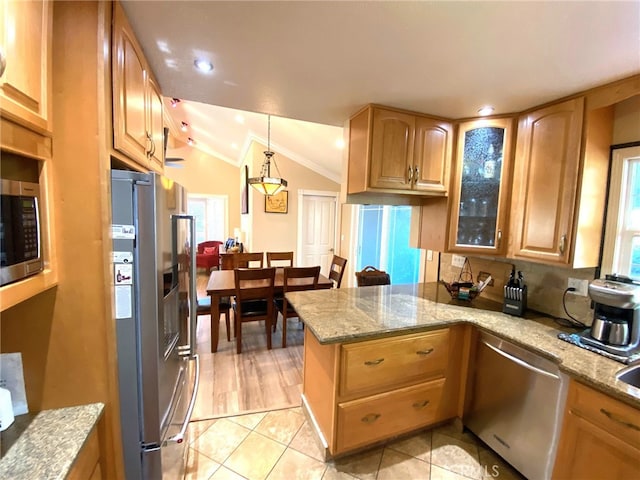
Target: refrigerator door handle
column 179, row 437
column 189, row 350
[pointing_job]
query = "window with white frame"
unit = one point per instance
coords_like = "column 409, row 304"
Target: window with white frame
column 621, row 252
column 210, row 212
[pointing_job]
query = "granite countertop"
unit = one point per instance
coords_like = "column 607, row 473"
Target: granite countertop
column 49, row 443
column 354, row 314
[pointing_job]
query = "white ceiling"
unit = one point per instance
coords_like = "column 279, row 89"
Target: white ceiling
column 321, row 61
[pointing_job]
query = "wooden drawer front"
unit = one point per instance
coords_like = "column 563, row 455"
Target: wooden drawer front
column 617, row 418
column 378, row 365
column 369, row 419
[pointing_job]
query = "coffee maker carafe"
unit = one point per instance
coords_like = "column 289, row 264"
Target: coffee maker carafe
column 616, row 318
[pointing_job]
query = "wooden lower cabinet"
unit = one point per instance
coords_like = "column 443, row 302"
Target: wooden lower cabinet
column 600, row 437
column 87, row 464
column 393, row 362
column 369, row 419
column 360, row 393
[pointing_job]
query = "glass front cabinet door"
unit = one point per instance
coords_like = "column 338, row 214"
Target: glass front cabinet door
column 480, row 193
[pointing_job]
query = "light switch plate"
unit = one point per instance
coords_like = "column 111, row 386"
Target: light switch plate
column 457, row 261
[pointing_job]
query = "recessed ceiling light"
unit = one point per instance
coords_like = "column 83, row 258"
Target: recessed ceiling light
column 203, row 65
column 340, row 143
column 240, row 119
column 184, row 126
column 191, row 141
column 234, row 146
column 163, row 46
column 486, row 110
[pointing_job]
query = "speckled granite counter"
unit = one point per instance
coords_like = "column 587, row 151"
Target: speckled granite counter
column 50, row 444
column 353, row 314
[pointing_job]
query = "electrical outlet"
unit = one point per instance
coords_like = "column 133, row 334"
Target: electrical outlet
column 429, row 255
column 482, row 276
column 457, row 261
column 581, row 286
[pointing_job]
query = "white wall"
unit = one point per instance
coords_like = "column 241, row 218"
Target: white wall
column 277, row 231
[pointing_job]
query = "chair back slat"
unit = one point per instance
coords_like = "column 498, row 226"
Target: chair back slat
column 336, row 271
column 248, row 260
column 300, row 278
column 278, row 259
column 254, row 283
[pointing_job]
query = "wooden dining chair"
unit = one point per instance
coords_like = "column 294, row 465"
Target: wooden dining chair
column 248, row 260
column 254, row 300
column 336, row 271
column 294, row 279
column 224, row 305
column 279, row 258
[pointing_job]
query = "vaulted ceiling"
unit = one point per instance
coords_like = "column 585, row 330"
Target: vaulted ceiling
column 321, row 61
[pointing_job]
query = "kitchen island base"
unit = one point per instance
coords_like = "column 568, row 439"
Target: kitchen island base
column 358, row 394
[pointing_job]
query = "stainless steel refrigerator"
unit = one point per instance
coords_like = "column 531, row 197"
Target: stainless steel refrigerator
column 154, row 290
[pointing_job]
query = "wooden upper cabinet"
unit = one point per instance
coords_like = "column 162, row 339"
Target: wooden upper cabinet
column 432, row 154
column 481, row 187
column 393, row 151
column 156, row 126
column 557, row 178
column 137, row 102
column 25, row 84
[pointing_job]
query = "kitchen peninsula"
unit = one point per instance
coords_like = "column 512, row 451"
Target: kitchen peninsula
column 351, row 332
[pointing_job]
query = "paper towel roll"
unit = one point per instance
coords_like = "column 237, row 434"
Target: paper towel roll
column 6, row 409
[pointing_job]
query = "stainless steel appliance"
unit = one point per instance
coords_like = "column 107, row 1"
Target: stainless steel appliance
column 20, row 236
column 616, row 316
column 154, row 291
column 516, row 405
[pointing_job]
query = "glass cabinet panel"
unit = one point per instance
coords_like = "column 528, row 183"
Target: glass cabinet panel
column 480, row 205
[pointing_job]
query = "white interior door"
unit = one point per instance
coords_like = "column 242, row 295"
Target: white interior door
column 317, row 224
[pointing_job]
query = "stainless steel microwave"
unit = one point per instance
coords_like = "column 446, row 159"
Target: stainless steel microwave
column 20, row 236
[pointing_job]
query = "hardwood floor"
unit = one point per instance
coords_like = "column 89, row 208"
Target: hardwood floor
column 254, row 381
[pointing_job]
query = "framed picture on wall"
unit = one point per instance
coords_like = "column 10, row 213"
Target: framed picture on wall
column 244, row 195
column 278, row 203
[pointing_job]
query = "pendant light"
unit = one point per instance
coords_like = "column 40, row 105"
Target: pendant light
column 265, row 183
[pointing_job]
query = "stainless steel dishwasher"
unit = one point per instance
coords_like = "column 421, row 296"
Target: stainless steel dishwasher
column 516, row 405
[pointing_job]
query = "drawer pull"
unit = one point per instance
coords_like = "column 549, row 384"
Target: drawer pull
column 424, row 352
column 374, row 362
column 421, row 404
column 372, row 417
column 616, row 419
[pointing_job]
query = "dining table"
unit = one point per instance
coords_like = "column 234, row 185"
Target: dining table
column 222, row 284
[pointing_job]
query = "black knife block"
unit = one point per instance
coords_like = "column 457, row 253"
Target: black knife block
column 515, row 301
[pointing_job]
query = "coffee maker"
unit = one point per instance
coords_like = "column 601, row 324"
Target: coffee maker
column 616, row 317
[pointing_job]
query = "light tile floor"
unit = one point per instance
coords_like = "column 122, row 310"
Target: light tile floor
column 279, row 444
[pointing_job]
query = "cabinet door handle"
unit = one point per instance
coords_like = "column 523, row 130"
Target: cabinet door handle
column 416, row 172
column 424, row 352
column 3, row 62
column 374, row 362
column 617, row 419
column 410, row 174
column 150, row 139
column 499, row 239
column 372, row 417
column 563, row 241
column 421, row 404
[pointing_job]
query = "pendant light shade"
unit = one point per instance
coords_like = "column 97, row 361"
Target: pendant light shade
column 265, row 183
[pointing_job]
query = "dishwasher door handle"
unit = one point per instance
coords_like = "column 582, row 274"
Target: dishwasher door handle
column 521, row 362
